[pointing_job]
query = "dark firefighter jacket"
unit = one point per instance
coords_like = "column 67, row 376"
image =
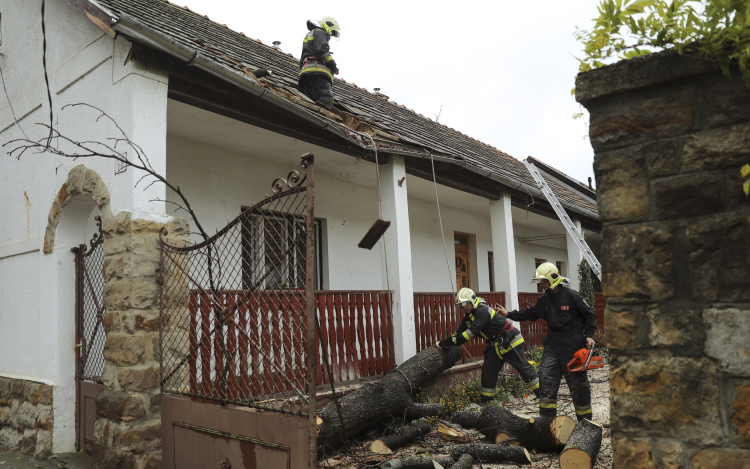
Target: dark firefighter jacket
column 316, row 55
column 483, row 322
column 569, row 321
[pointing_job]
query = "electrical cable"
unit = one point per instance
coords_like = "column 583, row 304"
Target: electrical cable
column 440, row 219
column 13, row 113
column 46, row 78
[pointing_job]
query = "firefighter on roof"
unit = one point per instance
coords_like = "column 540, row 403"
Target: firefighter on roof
column 571, row 325
column 504, row 342
column 317, row 66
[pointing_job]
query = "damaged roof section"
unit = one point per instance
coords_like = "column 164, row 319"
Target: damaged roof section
column 355, row 109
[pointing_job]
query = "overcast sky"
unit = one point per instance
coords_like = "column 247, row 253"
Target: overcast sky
column 502, row 70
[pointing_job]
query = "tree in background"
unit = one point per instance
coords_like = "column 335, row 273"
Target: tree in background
column 587, row 283
column 715, row 30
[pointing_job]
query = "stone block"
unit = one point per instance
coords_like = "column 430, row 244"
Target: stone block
column 662, row 157
column 721, row 458
column 671, row 454
column 120, row 406
column 25, row 415
column 123, row 223
column 688, row 195
column 10, row 438
column 146, row 226
column 674, row 397
column 111, row 322
column 718, row 252
column 75, row 179
column 30, row 388
column 139, row 378
column 94, row 185
column 28, row 441
column 622, row 178
column 138, row 437
column 103, row 432
column 44, row 417
column 621, row 328
column 114, row 268
column 727, row 331
column 117, row 245
column 717, row 148
column 43, row 395
column 154, row 404
column 150, row 461
column 675, row 327
column 117, row 295
column 178, row 226
column 632, row 454
column 650, row 117
column 741, row 416
column 726, row 102
column 125, row 349
column 4, row 415
column 138, row 265
column 637, row 262
column 43, row 448
column 144, row 294
column 109, row 377
column 147, row 321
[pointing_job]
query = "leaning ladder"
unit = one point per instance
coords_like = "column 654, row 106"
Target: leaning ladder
column 564, row 218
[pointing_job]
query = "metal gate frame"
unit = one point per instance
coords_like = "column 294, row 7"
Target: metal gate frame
column 223, row 413
column 90, row 335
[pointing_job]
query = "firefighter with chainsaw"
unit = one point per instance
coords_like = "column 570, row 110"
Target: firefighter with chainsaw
column 504, row 342
column 571, row 325
column 317, row 66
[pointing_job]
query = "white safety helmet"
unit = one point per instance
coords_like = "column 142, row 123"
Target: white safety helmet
column 548, row 271
column 331, row 26
column 466, row 296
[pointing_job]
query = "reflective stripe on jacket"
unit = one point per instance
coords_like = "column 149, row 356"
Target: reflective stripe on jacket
column 484, row 322
column 316, row 55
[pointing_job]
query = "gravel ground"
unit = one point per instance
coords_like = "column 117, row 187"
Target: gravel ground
column 359, row 455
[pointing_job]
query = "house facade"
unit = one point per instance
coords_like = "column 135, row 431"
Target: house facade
column 219, row 116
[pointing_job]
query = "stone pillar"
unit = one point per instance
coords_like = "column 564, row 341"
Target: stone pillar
column 397, row 243
column 504, row 251
column 128, row 427
column 575, row 256
column 670, row 135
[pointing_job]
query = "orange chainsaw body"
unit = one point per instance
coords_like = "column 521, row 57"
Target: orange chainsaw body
column 578, row 363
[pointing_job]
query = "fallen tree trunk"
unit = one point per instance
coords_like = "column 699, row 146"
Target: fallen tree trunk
column 583, row 446
column 386, row 399
column 452, row 432
column 418, row 411
column 390, row 443
column 491, row 453
column 467, row 418
column 417, row 462
column 540, row 434
column 464, row 462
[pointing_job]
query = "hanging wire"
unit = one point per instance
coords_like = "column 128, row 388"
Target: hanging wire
column 440, row 219
column 13, row 113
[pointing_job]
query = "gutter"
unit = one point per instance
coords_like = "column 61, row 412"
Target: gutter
column 132, row 28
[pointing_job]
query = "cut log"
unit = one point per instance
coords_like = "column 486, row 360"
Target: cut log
column 388, row 444
column 418, row 411
column 387, row 399
column 582, row 447
column 417, row 462
column 491, row 453
column 539, row 434
column 452, row 432
column 464, row 462
column 467, row 418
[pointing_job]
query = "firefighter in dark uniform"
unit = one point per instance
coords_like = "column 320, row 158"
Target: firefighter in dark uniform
column 504, row 342
column 571, row 325
column 317, row 66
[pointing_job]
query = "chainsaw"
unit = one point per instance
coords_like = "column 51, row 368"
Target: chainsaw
column 585, row 360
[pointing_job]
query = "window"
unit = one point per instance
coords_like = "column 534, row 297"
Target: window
column 274, row 247
column 462, row 260
column 491, row 265
column 537, row 263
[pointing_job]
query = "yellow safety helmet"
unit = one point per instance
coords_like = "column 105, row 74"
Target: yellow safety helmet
column 466, row 295
column 331, row 26
column 547, row 271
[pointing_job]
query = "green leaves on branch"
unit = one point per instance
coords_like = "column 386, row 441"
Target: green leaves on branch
column 716, row 30
column 745, row 171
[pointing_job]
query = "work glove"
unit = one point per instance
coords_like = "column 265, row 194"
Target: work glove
column 447, row 342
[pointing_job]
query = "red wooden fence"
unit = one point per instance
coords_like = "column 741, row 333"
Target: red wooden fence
column 437, row 317
column 356, row 330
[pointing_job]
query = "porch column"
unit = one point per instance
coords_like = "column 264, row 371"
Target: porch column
column 504, row 251
column 397, row 257
column 574, row 258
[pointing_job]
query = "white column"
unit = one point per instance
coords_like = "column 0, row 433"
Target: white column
column 504, row 251
column 574, row 258
column 397, row 257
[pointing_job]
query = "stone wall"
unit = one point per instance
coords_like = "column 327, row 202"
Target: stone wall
column 26, row 417
column 670, row 135
column 128, row 426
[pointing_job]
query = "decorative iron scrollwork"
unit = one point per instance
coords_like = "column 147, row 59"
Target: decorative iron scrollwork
column 292, row 180
column 97, row 238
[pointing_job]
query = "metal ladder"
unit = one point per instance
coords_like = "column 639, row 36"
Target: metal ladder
column 564, row 218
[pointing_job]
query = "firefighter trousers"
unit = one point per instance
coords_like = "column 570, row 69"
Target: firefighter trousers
column 495, row 356
column 551, row 372
column 317, row 87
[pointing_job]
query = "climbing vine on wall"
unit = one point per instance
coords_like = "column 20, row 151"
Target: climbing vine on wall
column 587, row 283
column 716, row 30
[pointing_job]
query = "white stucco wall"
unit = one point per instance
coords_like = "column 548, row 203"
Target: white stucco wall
column 84, row 65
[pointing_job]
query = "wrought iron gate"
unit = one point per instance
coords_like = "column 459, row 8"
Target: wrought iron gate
column 238, row 330
column 90, row 334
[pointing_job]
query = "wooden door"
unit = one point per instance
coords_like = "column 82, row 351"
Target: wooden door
column 463, row 268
